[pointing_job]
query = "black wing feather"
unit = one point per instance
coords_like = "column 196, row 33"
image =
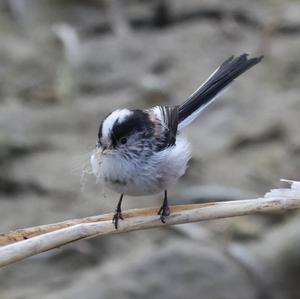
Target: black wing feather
column 170, row 120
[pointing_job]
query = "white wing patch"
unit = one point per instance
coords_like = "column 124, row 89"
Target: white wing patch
column 157, row 112
column 118, row 115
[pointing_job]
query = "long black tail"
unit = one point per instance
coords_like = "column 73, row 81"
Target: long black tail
column 223, row 76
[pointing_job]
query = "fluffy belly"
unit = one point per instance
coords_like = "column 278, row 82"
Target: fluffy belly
column 135, row 186
column 146, row 176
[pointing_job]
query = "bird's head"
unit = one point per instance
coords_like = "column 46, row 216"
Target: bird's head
column 125, row 133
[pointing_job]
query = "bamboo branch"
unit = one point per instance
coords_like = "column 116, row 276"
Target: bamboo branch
column 43, row 238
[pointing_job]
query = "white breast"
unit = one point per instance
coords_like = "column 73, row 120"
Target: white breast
column 133, row 177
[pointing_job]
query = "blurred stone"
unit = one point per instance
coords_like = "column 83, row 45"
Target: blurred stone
column 210, row 193
column 179, row 269
column 152, row 90
column 274, row 261
column 248, row 228
column 272, row 134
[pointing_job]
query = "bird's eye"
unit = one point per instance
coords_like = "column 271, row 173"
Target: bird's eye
column 123, row 140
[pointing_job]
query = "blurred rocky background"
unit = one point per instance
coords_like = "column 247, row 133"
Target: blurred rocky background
column 65, row 64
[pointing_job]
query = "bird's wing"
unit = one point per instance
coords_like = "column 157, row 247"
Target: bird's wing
column 168, row 117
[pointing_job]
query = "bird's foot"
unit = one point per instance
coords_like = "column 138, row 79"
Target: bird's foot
column 118, row 215
column 164, row 212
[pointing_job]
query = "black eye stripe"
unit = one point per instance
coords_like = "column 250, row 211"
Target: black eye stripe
column 100, row 131
column 138, row 121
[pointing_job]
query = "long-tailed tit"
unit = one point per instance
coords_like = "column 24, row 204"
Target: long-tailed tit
column 142, row 152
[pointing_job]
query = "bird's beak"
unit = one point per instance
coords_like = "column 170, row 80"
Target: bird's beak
column 100, row 148
column 103, row 150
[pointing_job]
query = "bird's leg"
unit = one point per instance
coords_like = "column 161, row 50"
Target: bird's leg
column 118, row 213
column 164, row 210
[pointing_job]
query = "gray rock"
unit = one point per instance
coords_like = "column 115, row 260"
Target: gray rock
column 179, row 269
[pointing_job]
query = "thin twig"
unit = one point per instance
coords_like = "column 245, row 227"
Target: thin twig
column 27, row 233
column 69, row 231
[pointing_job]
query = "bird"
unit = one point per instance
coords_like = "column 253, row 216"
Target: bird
column 143, row 151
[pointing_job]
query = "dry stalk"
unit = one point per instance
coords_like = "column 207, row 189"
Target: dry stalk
column 31, row 241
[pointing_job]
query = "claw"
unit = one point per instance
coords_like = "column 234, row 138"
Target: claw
column 164, row 210
column 118, row 213
column 116, row 217
column 164, row 213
